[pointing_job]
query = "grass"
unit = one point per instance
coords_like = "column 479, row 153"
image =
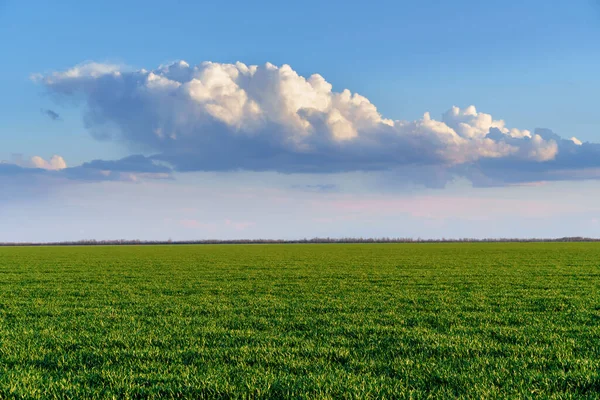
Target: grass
column 301, row 321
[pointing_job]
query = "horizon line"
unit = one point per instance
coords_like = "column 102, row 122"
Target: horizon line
column 316, row 240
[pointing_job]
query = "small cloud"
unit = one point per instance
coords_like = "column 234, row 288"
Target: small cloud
column 195, row 224
column 129, row 169
column 530, row 184
column 239, row 225
column 328, row 187
column 53, row 115
column 56, row 163
column 135, row 163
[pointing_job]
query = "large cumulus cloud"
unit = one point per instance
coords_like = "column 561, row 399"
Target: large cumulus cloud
column 220, row 117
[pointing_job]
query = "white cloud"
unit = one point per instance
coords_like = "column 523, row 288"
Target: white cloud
column 89, row 69
column 55, row 163
column 470, row 123
column 287, row 110
column 217, row 116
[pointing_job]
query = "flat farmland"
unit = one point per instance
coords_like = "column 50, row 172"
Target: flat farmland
column 470, row 320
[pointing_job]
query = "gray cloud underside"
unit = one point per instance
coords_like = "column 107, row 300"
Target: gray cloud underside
column 224, row 117
column 127, row 169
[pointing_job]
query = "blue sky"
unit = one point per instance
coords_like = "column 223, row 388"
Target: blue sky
column 531, row 64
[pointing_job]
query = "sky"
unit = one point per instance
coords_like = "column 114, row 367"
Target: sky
column 207, row 120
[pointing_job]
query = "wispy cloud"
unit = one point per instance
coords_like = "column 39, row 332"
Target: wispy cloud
column 213, row 226
column 53, row 115
column 447, row 207
column 322, row 187
column 195, row 224
column 239, row 225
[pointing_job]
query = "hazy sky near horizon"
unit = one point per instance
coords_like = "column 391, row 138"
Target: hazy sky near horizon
column 194, row 120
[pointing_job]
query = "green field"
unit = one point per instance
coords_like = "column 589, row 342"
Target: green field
column 302, row 321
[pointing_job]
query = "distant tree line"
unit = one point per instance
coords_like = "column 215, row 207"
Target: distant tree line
column 119, row 242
